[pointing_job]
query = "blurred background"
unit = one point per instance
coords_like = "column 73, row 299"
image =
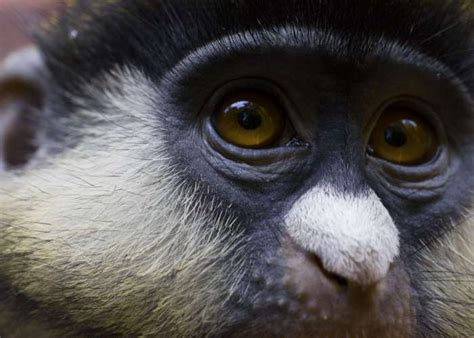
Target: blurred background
column 16, row 17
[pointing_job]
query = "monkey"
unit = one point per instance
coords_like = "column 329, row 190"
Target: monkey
column 237, row 168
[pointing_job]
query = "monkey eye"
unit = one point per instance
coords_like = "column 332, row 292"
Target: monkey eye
column 402, row 136
column 250, row 119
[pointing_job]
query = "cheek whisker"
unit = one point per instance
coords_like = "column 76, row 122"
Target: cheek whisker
column 446, row 230
column 443, row 300
column 233, row 168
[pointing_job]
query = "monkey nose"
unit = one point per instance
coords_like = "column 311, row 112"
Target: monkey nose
column 352, row 238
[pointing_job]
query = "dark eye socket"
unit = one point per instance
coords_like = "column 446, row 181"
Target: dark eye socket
column 250, row 119
column 403, row 136
column 254, row 119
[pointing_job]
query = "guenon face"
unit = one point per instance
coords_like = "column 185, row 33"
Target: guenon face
column 235, row 169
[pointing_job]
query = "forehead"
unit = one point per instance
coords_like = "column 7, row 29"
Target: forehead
column 123, row 31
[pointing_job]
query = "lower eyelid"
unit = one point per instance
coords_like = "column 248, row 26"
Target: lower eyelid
column 255, row 157
column 419, row 183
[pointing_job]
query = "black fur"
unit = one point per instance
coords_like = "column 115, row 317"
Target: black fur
column 425, row 38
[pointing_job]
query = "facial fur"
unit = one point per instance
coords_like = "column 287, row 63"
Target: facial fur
column 135, row 218
column 120, row 248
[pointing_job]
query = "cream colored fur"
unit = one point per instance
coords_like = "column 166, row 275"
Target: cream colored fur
column 109, row 233
column 447, row 269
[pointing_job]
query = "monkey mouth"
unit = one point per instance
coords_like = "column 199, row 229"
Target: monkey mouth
column 310, row 301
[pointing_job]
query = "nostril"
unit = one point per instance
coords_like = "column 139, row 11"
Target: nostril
column 341, row 281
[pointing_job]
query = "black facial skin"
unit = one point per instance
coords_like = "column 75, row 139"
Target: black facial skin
column 333, row 66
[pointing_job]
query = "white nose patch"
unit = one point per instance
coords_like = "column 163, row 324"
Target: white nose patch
column 354, row 236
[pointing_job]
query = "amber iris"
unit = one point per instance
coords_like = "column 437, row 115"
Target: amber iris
column 403, row 137
column 250, row 119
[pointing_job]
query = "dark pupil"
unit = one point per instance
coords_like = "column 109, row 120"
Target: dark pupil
column 395, row 136
column 249, row 118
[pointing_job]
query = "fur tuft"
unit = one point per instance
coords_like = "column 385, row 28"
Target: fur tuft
column 128, row 245
column 446, row 269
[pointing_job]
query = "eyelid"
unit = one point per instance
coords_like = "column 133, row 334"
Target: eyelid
column 265, row 86
column 248, row 83
column 259, row 157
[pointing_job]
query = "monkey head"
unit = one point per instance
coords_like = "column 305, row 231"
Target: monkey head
column 240, row 168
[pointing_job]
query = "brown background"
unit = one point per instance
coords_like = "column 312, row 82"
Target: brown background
column 15, row 16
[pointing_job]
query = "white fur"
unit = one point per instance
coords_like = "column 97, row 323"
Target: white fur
column 111, row 224
column 354, row 236
column 446, row 268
